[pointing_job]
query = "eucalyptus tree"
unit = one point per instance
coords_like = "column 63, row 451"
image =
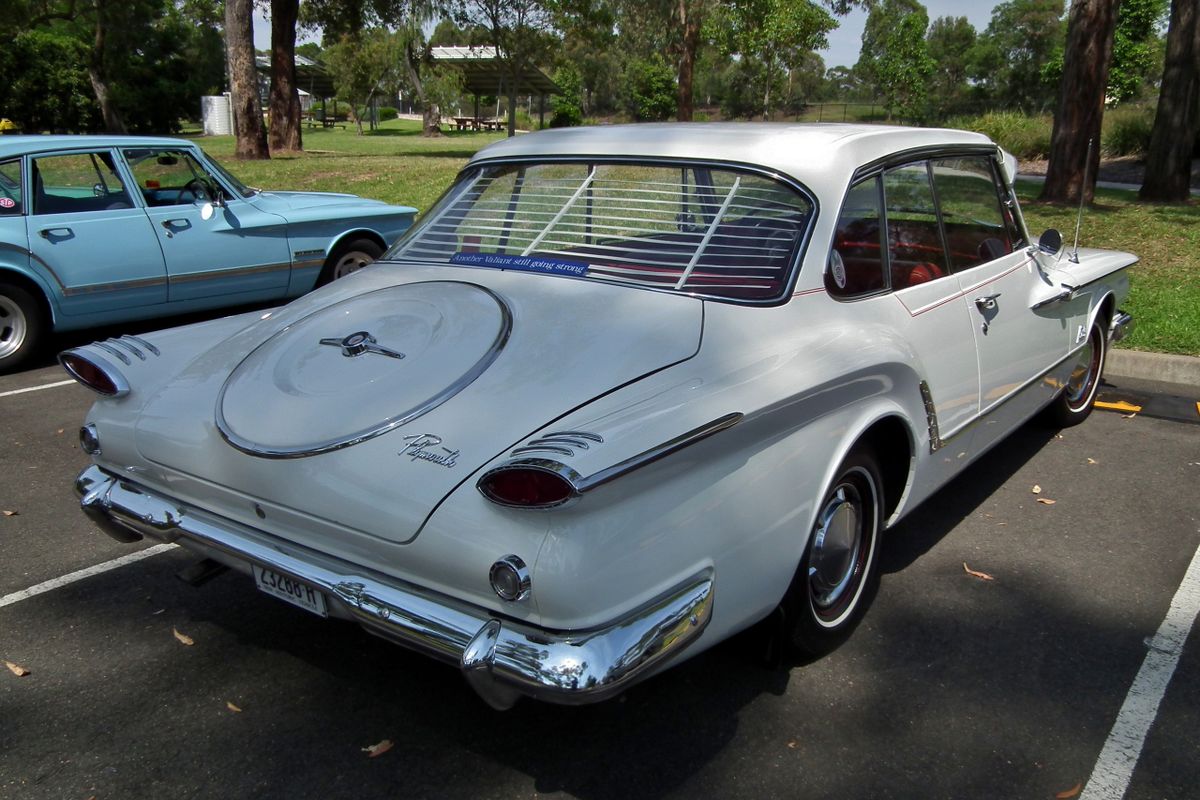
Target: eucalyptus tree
column 1075, row 141
column 775, row 34
column 1177, row 119
column 895, row 56
column 248, row 127
column 285, row 95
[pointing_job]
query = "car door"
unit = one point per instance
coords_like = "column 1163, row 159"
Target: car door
column 1000, row 281
column 895, row 244
column 88, row 231
column 239, row 252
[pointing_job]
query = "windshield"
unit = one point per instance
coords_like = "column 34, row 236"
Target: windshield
column 712, row 231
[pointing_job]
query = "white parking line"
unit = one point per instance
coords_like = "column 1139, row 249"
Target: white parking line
column 1113, row 770
column 79, row 575
column 36, row 388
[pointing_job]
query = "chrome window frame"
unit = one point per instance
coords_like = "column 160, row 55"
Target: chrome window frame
column 792, row 270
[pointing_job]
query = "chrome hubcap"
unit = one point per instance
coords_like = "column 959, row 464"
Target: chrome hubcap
column 1079, row 385
column 837, row 543
column 12, row 327
column 351, row 262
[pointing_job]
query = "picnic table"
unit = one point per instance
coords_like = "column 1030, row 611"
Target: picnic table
column 478, row 123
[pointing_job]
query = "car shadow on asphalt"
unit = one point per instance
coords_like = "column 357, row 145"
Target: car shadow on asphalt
column 930, row 522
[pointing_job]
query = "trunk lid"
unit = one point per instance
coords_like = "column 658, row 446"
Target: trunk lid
column 351, row 434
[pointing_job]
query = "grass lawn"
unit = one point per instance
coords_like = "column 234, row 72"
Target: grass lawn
column 1165, row 298
column 398, row 165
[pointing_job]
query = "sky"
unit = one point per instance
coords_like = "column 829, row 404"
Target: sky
column 844, row 43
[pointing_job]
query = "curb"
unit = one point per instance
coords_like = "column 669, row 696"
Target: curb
column 1161, row 367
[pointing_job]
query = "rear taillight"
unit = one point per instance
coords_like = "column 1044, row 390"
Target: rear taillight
column 527, row 486
column 95, row 373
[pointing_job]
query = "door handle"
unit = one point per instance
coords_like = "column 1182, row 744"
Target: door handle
column 169, row 225
column 62, row 233
column 987, row 302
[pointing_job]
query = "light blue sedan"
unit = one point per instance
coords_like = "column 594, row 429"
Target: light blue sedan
column 101, row 229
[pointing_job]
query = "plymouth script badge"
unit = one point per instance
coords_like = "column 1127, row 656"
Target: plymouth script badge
column 427, row 447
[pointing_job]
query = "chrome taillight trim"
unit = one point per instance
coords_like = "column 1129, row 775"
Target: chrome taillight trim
column 581, row 485
column 99, row 362
column 556, row 468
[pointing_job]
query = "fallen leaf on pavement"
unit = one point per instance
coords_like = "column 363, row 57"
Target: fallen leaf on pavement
column 1091, row 461
column 16, row 669
column 59, row 431
column 983, row 576
column 232, row 707
column 792, row 745
column 376, row 750
column 8, row 513
column 183, row 638
column 1046, row 502
column 1069, row 793
column 1036, row 489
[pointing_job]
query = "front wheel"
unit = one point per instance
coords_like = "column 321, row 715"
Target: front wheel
column 22, row 326
column 349, row 257
column 1077, row 399
column 839, row 571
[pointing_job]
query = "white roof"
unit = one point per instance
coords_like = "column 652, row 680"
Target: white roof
column 816, row 154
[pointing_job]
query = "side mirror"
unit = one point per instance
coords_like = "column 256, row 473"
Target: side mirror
column 1050, row 242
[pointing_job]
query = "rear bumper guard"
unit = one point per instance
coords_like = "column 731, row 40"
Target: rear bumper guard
column 501, row 659
column 1121, row 326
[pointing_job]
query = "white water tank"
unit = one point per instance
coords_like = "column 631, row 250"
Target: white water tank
column 214, row 111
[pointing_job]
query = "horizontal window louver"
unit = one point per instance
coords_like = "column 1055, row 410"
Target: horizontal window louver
column 695, row 229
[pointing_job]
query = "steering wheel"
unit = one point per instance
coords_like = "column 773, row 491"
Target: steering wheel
column 197, row 188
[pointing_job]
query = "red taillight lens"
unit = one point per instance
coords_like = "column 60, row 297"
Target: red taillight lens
column 94, row 376
column 526, row 487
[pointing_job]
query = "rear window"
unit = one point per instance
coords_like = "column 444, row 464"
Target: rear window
column 716, row 232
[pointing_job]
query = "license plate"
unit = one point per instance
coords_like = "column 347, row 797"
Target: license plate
column 293, row 591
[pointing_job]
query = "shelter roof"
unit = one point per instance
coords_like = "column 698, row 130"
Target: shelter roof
column 484, row 72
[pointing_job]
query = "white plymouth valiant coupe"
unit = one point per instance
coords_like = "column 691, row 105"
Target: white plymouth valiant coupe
column 623, row 392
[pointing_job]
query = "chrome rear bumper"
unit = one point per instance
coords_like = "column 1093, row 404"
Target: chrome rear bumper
column 501, row 659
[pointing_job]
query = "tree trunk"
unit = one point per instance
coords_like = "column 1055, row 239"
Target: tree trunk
column 689, row 21
column 1081, row 102
column 431, row 117
column 243, row 81
column 285, row 97
column 98, row 74
column 1169, row 159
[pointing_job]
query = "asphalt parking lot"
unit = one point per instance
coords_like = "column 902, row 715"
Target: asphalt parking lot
column 954, row 686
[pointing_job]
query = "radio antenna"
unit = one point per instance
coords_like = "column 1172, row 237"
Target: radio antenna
column 1087, row 168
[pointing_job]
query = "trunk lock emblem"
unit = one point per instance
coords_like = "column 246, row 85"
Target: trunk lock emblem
column 361, row 342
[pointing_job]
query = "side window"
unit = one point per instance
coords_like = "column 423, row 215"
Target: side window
column 915, row 249
column 10, row 187
column 856, row 259
column 170, row 177
column 78, row 182
column 978, row 227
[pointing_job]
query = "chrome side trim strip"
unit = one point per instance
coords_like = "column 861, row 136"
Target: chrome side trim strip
column 581, row 485
column 132, row 348
column 142, row 343
column 108, row 348
column 222, row 274
column 935, row 439
column 500, row 658
column 663, row 450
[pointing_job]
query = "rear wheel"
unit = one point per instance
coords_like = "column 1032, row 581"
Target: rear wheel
column 349, row 257
column 839, row 571
column 22, row 326
column 1076, row 401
